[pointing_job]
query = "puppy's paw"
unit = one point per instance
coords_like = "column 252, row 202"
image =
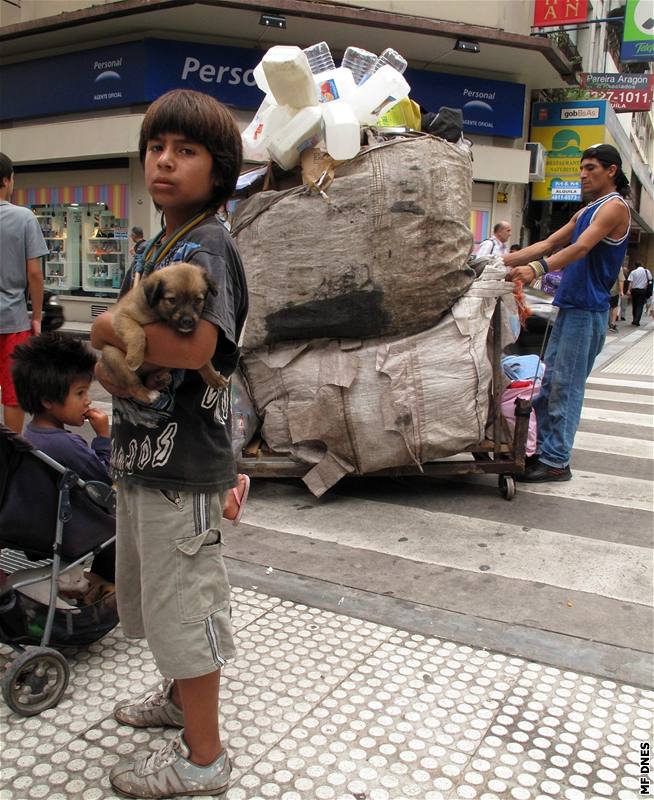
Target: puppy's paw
column 154, row 396
column 218, row 381
column 134, row 361
column 158, row 380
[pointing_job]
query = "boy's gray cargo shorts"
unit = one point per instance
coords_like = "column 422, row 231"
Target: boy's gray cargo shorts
column 171, row 582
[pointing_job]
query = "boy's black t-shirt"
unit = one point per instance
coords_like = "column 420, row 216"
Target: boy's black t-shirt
column 183, row 441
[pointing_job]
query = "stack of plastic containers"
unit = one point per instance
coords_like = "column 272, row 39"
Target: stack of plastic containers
column 310, row 100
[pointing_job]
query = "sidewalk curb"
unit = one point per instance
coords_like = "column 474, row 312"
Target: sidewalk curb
column 532, row 644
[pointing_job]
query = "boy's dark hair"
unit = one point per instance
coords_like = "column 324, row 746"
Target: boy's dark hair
column 6, row 167
column 45, row 367
column 204, row 120
column 136, row 231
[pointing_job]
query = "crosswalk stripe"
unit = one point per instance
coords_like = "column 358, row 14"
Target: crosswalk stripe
column 616, row 445
column 592, row 487
column 465, row 543
column 617, row 417
column 619, row 397
column 644, row 384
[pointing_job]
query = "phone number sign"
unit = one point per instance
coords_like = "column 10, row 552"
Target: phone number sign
column 625, row 92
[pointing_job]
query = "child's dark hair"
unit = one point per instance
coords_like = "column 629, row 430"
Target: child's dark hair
column 45, row 367
column 6, row 167
column 204, row 120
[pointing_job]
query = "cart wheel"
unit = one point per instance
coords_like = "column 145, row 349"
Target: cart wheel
column 507, row 486
column 35, row 680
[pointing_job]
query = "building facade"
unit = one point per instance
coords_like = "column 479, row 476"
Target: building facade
column 77, row 78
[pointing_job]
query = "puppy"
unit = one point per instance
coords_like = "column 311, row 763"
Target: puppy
column 174, row 294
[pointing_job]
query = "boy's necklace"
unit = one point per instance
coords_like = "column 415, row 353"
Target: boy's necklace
column 159, row 247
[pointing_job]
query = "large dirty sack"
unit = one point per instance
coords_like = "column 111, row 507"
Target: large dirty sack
column 384, row 255
column 353, row 407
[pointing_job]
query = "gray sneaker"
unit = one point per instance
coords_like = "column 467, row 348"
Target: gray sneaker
column 168, row 772
column 155, row 710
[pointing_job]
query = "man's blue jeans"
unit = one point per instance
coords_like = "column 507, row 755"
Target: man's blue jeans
column 576, row 340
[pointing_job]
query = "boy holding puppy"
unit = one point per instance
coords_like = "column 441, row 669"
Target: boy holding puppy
column 173, row 461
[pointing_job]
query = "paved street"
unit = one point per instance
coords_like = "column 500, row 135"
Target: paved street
column 416, row 638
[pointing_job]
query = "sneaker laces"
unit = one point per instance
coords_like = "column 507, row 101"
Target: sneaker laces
column 161, row 758
column 158, row 697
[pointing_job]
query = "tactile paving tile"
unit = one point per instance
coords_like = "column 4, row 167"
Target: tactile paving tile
column 320, row 706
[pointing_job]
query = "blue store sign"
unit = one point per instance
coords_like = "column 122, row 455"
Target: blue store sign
column 490, row 108
column 138, row 72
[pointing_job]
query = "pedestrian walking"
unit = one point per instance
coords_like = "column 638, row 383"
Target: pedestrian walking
column 594, row 243
column 138, row 242
column 497, row 244
column 173, row 462
column 21, row 248
column 639, row 285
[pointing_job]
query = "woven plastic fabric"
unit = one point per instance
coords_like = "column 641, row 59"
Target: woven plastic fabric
column 382, row 254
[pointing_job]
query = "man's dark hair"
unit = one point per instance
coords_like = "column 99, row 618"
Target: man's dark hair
column 607, row 155
column 137, row 231
column 45, row 367
column 204, row 120
column 6, row 167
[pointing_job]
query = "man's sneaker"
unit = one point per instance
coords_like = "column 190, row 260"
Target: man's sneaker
column 155, row 710
column 541, row 473
column 169, row 772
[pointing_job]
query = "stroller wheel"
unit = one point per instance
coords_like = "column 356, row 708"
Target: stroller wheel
column 35, row 680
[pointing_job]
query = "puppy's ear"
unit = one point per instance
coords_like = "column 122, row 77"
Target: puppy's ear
column 212, row 287
column 153, row 290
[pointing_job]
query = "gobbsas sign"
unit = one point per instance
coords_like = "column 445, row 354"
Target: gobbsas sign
column 138, row 72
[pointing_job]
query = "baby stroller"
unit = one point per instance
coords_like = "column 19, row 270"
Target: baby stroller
column 48, row 512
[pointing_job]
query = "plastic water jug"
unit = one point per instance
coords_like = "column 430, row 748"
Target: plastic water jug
column 342, row 131
column 260, row 78
column 275, row 118
column 252, row 137
column 360, row 62
column 334, row 83
column 392, row 57
column 302, row 131
column 378, row 94
column 289, row 77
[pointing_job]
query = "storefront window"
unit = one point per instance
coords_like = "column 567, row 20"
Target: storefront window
column 88, row 248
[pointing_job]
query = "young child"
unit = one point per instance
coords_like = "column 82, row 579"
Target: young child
column 173, row 461
column 52, row 374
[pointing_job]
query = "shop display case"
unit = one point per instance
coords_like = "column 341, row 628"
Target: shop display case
column 60, row 227
column 105, row 252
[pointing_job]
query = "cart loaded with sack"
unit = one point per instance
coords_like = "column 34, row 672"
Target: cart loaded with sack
column 374, row 343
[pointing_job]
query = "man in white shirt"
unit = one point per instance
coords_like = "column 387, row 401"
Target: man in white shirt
column 637, row 286
column 497, row 244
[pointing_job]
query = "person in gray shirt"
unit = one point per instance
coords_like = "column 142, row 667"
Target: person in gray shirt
column 21, row 247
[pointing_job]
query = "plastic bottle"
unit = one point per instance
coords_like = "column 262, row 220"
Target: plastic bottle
column 302, row 131
column 289, row 77
column 392, row 57
column 379, row 93
column 320, row 57
column 342, row 131
column 334, row 83
column 360, row 62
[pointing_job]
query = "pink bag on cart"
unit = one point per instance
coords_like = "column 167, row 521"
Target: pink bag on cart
column 523, row 390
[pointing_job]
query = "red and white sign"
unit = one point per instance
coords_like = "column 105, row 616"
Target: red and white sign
column 559, row 12
column 625, row 92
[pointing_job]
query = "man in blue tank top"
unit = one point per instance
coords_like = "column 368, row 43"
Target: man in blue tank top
column 594, row 243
